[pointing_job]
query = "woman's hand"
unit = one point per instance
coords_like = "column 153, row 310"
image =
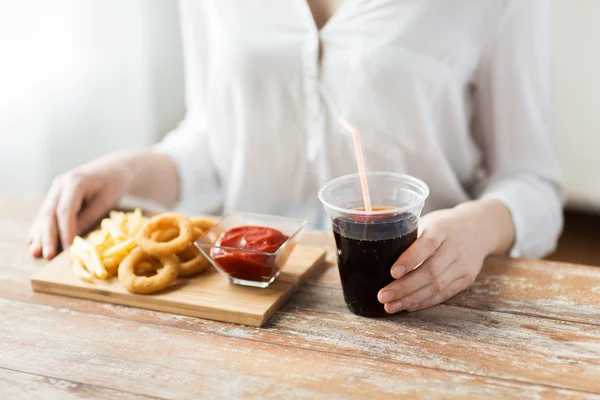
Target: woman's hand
column 76, row 200
column 82, row 196
column 448, row 255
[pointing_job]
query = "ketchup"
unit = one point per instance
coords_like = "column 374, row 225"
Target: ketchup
column 247, row 265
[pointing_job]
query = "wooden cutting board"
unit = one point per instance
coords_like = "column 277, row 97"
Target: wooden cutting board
column 209, row 295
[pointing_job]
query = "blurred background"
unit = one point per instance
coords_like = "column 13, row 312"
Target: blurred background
column 79, row 78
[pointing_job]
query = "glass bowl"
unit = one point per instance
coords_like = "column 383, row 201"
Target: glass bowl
column 257, row 268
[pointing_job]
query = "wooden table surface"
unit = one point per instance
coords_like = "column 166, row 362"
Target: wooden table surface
column 525, row 329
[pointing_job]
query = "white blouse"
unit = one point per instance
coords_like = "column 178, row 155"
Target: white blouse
column 457, row 93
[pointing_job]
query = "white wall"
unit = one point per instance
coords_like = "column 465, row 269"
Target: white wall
column 79, row 78
column 577, row 53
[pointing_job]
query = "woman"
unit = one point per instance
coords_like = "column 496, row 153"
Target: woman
column 455, row 93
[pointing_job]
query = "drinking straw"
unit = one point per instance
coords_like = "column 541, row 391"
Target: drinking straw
column 361, row 164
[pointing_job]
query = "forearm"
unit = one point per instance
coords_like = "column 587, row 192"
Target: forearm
column 150, row 175
column 494, row 224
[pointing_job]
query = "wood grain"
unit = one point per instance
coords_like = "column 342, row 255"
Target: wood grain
column 531, row 287
column 522, row 331
column 209, row 295
column 19, row 385
column 505, row 346
column 180, row 363
column 550, row 289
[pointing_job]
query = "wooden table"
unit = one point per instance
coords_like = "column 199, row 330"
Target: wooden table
column 526, row 329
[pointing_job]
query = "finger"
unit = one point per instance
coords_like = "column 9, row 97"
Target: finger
column 429, row 273
column 67, row 209
column 35, row 247
column 450, row 291
column 418, row 296
column 46, row 221
column 419, row 251
column 50, row 236
column 94, row 210
column 33, row 242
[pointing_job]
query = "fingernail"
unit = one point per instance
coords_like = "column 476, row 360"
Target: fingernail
column 386, row 297
column 48, row 252
column 398, row 271
column 393, row 307
column 33, row 249
column 413, row 308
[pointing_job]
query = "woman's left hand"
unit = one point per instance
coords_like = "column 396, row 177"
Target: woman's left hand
column 448, row 255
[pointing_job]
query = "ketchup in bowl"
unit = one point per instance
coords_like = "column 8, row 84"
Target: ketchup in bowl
column 253, row 265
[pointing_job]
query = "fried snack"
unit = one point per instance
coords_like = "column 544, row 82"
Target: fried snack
column 81, row 271
column 112, row 265
column 103, row 250
column 164, row 222
column 201, row 225
column 97, row 265
column 146, row 255
column 148, row 268
column 191, row 261
column 147, row 284
column 166, row 235
column 122, row 248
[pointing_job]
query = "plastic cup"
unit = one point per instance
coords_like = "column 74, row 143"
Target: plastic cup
column 368, row 244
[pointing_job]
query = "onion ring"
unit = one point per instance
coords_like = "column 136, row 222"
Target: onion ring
column 191, row 261
column 145, row 285
column 165, row 235
column 173, row 246
column 201, row 225
column 147, row 268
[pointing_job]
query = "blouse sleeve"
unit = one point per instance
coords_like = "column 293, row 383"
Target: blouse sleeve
column 515, row 127
column 187, row 145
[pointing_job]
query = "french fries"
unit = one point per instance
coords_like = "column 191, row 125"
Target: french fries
column 81, row 271
column 100, row 254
